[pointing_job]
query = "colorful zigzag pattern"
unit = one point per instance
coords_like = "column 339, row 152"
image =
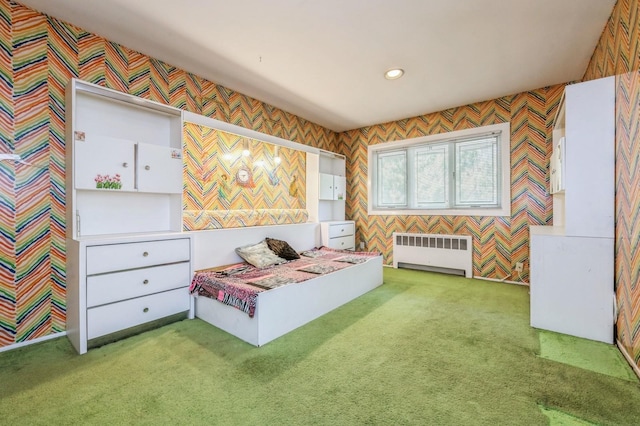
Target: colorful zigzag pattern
column 499, row 242
column 38, row 56
column 618, row 53
column 212, row 159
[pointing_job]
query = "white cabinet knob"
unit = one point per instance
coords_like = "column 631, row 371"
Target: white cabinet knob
column 125, row 165
column 145, row 310
column 145, row 254
column 147, row 167
column 145, row 282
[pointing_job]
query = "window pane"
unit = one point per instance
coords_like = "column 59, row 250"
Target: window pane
column 431, row 176
column 392, row 178
column 477, row 172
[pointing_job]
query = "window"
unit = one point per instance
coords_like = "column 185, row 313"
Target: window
column 457, row 173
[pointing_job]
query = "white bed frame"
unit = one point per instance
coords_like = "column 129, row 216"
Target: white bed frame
column 283, row 309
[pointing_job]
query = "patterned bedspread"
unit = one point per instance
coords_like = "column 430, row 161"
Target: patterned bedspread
column 238, row 285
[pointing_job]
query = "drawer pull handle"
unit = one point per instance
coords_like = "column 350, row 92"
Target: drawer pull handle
column 145, row 282
column 342, row 230
column 147, row 167
column 145, row 254
column 145, row 310
column 125, row 165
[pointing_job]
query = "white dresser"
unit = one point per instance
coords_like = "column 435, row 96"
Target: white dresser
column 128, row 263
column 338, row 234
column 122, row 282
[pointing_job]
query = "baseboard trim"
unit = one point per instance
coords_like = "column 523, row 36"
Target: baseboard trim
column 502, row 281
column 33, row 341
column 628, row 357
column 478, row 278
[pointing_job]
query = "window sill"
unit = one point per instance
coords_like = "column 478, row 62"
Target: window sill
column 440, row 212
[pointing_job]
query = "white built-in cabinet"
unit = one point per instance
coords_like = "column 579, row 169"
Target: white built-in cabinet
column 332, row 187
column 128, row 263
column 326, row 186
column 326, row 197
column 572, row 262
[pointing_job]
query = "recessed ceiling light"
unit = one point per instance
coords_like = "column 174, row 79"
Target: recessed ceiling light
column 394, row 73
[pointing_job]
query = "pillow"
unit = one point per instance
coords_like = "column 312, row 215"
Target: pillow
column 259, row 255
column 282, row 249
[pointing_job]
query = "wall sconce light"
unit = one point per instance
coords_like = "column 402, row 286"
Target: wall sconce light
column 276, row 158
column 228, row 156
column 245, row 150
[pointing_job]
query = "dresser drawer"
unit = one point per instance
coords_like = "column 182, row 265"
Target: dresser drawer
column 129, row 313
column 109, row 288
column 344, row 243
column 341, row 229
column 119, row 257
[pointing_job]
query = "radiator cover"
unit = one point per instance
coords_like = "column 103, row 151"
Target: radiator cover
column 439, row 252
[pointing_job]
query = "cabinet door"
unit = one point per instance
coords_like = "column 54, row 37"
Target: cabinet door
column 104, row 163
column 339, row 187
column 159, row 169
column 326, row 187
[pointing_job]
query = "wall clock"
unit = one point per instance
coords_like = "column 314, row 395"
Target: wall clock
column 244, row 177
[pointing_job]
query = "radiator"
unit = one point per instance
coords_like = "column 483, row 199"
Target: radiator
column 442, row 253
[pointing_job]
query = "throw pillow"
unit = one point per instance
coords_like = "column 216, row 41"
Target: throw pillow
column 259, row 255
column 282, row 248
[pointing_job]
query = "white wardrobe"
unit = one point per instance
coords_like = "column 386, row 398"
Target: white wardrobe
column 572, row 262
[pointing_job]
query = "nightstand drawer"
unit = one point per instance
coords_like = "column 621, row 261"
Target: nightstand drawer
column 119, row 257
column 344, row 243
column 109, row 288
column 341, row 230
column 129, row 313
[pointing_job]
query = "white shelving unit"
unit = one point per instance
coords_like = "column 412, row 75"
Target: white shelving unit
column 326, row 186
column 128, row 263
column 326, row 196
column 572, row 262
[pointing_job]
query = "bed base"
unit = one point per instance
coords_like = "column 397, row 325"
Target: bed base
column 286, row 308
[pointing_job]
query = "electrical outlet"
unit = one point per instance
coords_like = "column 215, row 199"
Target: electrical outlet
column 361, row 245
column 519, row 266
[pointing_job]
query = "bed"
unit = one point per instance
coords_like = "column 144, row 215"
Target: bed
column 282, row 309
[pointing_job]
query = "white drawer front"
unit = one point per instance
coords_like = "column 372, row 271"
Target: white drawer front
column 341, row 229
column 118, row 257
column 129, row 313
column 109, row 288
column 344, row 243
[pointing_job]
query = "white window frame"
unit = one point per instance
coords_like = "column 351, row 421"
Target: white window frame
column 504, row 171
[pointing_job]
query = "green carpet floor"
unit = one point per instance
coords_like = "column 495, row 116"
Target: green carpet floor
column 587, row 354
column 423, row 349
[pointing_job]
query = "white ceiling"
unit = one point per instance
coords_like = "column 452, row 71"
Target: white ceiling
column 324, row 60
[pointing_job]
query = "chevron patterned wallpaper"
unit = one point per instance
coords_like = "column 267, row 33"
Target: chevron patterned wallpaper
column 38, row 56
column 618, row 53
column 213, row 157
column 498, row 242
